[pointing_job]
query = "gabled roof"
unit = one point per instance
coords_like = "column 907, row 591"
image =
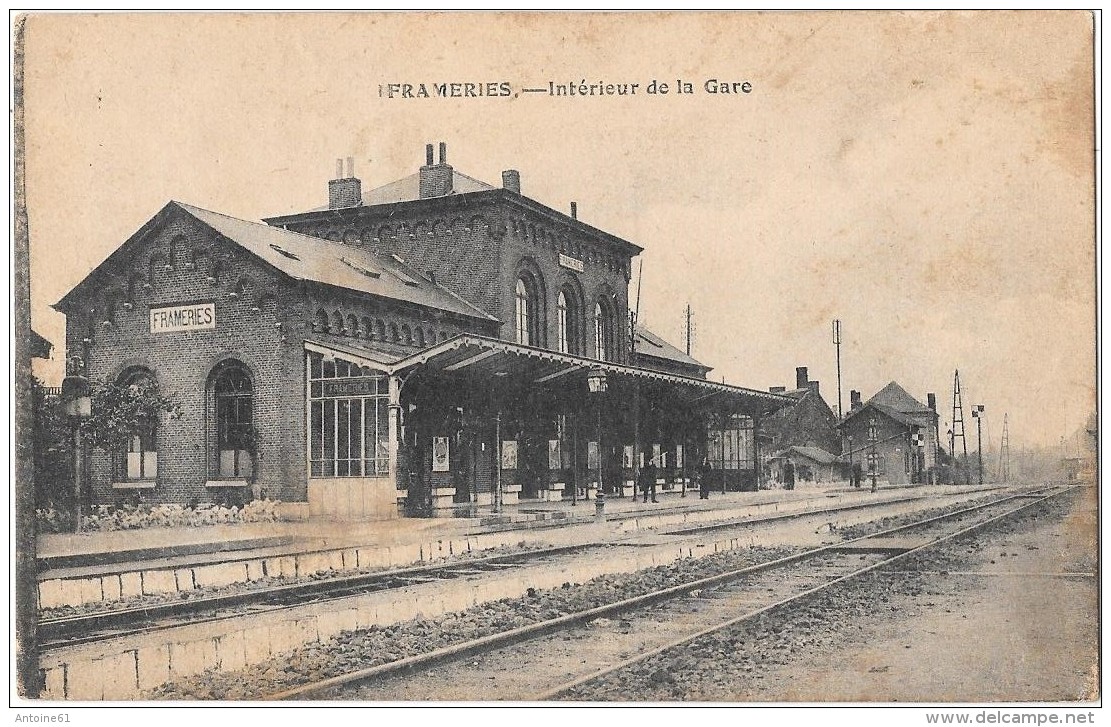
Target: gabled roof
column 896, row 397
column 649, row 344
column 407, row 189
column 902, row 418
column 817, row 454
column 313, row 259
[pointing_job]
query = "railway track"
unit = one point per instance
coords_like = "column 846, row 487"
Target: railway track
column 86, row 628
column 598, row 641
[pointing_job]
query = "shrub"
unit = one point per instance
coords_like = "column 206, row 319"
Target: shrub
column 134, row 517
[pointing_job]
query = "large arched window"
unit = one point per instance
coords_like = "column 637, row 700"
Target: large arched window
column 527, row 312
column 602, row 332
column 568, row 321
column 139, row 460
column 563, row 323
column 605, row 331
column 232, row 393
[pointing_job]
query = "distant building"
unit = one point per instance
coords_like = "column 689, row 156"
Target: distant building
column 811, row 464
column 893, row 433
column 809, row 423
column 652, row 352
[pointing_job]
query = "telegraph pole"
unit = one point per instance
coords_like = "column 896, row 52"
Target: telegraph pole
column 633, row 316
column 836, row 342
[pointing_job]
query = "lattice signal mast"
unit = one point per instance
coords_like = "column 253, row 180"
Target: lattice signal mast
column 958, row 423
column 1005, row 454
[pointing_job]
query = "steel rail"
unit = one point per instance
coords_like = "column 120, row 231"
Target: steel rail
column 68, row 631
column 53, row 632
column 797, row 598
column 542, row 628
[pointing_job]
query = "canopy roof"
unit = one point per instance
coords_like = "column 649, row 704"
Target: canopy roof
column 482, row 357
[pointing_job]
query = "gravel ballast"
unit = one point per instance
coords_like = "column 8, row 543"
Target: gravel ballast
column 379, row 645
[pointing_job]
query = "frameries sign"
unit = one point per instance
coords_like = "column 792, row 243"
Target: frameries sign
column 195, row 317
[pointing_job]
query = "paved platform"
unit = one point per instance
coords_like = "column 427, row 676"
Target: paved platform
column 112, row 566
column 539, row 521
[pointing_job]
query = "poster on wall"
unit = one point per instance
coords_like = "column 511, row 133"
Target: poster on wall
column 555, row 462
column 656, row 458
column 627, row 457
column 440, row 454
column 678, row 456
column 509, row 454
column 592, row 456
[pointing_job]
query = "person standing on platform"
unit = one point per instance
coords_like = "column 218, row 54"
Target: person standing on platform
column 789, row 476
column 704, row 471
column 649, row 483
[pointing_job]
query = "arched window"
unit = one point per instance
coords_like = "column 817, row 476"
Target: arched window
column 569, row 321
column 563, row 323
column 139, row 459
column 603, row 332
column 232, row 396
column 527, row 312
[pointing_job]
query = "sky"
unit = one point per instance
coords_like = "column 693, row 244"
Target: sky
column 926, row 178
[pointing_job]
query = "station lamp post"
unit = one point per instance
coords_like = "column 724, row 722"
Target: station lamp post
column 978, row 414
column 596, row 383
column 77, row 407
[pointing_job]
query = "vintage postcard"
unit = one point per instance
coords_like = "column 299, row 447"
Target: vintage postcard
column 733, row 358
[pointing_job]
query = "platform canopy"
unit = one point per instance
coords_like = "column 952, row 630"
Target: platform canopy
column 478, row 358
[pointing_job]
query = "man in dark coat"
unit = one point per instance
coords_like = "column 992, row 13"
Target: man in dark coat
column 648, row 480
column 789, row 476
column 704, row 471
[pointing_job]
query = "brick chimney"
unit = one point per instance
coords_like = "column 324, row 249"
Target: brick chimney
column 931, row 401
column 813, row 386
column 854, row 400
column 511, row 180
column 345, row 191
column 801, row 378
column 436, row 180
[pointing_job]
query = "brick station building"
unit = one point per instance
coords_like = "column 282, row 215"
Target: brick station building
column 432, row 342
column 892, row 434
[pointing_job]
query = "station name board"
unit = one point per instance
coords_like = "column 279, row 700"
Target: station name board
column 566, row 261
column 195, row 317
column 363, row 386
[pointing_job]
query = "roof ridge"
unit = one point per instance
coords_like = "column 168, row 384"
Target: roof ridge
column 281, row 230
column 388, row 263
